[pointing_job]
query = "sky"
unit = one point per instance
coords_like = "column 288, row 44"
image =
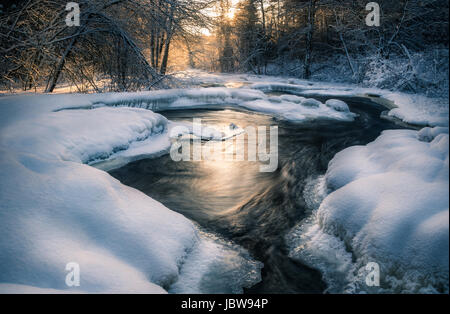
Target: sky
column 230, row 15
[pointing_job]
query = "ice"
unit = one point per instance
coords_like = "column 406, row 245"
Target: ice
column 275, row 99
column 308, row 109
column 323, row 251
column 271, row 87
column 152, row 147
column 337, row 105
column 292, row 98
column 219, row 275
column 415, row 109
column 388, row 203
column 195, row 129
column 220, row 97
column 311, row 102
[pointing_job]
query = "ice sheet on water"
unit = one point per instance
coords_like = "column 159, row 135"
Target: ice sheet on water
column 206, row 271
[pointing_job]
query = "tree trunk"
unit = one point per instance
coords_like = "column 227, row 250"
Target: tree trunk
column 341, row 37
column 165, row 56
column 309, row 38
column 167, row 42
column 54, row 78
column 263, row 15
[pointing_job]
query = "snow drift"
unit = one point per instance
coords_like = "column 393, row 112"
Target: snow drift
column 56, row 209
column 219, row 97
column 410, row 108
column 389, row 204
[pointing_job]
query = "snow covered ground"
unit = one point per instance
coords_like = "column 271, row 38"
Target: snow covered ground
column 56, row 209
column 385, row 202
column 293, row 108
column 410, row 108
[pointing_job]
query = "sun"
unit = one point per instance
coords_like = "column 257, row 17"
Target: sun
column 231, row 13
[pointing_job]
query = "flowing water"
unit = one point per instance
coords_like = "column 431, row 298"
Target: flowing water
column 252, row 208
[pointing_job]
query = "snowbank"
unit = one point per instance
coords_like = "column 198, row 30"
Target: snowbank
column 388, row 204
column 418, row 109
column 337, row 105
column 410, row 108
column 221, row 97
column 284, row 107
column 243, row 90
column 56, row 209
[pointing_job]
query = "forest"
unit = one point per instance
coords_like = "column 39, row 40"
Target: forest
column 123, row 45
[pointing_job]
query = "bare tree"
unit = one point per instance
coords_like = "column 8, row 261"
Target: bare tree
column 38, row 48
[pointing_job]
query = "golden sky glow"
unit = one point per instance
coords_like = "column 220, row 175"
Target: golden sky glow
column 230, row 15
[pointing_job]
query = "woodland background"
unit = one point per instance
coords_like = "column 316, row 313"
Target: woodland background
column 124, row 45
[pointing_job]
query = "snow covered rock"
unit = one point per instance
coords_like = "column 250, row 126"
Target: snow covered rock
column 311, row 102
column 275, row 99
column 337, row 105
column 285, row 106
column 410, row 108
column 292, row 98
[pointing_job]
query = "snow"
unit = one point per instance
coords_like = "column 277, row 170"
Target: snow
column 428, row 134
column 242, row 90
column 388, row 203
column 385, row 202
column 71, row 140
column 222, row 97
column 418, row 109
column 285, row 107
column 57, row 209
column 337, row 105
column 53, row 213
column 220, row 276
column 415, row 109
column 292, row 98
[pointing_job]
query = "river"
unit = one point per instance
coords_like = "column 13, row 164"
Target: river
column 252, row 208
